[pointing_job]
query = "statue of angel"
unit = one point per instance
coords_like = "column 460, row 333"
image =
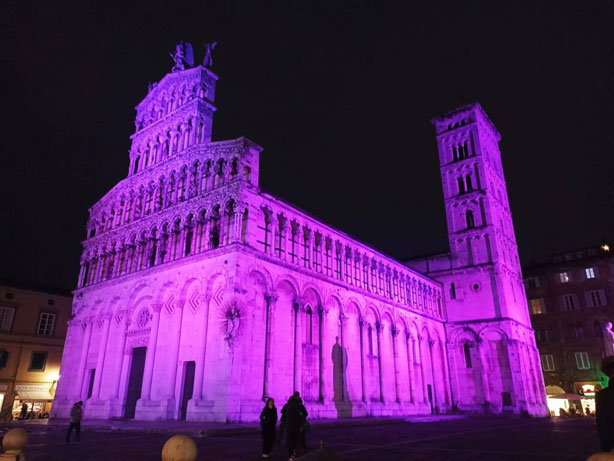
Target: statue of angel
column 208, row 60
column 178, row 57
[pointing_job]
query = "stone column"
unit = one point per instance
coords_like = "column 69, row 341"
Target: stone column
column 102, row 351
column 236, row 231
column 199, row 374
column 395, row 358
column 320, row 358
column 378, row 332
column 424, row 389
column 344, row 379
column 483, row 353
column 410, row 368
column 151, row 353
column 269, row 300
column 362, row 359
column 81, row 273
column 87, row 337
column 296, row 376
column 124, row 322
column 174, row 368
column 434, row 389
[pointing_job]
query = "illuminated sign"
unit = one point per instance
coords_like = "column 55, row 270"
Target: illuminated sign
column 587, row 389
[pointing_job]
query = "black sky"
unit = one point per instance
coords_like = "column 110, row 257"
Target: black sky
column 339, row 94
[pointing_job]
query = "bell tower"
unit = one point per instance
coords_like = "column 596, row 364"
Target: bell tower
column 483, row 250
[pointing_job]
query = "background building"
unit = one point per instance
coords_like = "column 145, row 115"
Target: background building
column 571, row 297
column 32, row 330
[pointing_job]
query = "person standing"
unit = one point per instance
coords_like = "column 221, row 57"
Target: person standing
column 24, row 411
column 76, row 414
column 268, row 421
column 291, row 419
column 302, row 443
column 604, row 405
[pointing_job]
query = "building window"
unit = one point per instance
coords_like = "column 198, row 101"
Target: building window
column 595, row 298
column 590, row 272
column 452, row 291
column 563, row 277
column 569, row 302
column 45, row 324
column 579, row 331
column 50, row 302
column 582, row 361
column 9, row 295
column 598, row 329
column 547, row 362
column 6, row 318
column 537, row 306
column 4, row 357
column 467, row 352
column 532, row 282
column 38, row 361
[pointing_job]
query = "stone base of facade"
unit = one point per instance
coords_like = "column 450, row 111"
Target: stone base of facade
column 155, row 410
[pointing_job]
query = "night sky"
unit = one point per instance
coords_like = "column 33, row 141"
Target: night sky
column 339, row 94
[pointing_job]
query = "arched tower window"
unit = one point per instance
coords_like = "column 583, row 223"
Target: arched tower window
column 469, row 219
column 469, row 183
column 461, row 185
column 467, row 354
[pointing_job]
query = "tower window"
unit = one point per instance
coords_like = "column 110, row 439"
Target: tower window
column 469, row 219
column 452, row 291
column 461, row 185
column 590, row 272
column 467, row 353
column 469, row 183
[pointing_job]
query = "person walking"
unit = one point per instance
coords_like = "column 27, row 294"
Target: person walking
column 24, row 411
column 291, row 420
column 268, row 421
column 304, row 426
column 76, row 414
column 604, row 406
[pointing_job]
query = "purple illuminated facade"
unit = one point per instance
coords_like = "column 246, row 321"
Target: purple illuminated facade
column 199, row 294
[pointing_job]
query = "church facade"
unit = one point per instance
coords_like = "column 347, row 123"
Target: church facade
column 200, row 295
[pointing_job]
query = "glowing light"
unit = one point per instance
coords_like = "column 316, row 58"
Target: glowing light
column 605, row 247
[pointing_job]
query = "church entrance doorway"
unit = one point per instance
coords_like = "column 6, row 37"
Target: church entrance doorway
column 188, row 388
column 135, row 382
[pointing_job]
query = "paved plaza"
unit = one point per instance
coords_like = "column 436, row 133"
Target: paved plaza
column 480, row 438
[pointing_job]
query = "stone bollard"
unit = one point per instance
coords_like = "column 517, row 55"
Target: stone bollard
column 13, row 442
column 179, row 448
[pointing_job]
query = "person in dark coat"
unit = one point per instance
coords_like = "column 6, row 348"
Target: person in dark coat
column 604, row 403
column 268, row 421
column 304, row 426
column 291, row 420
column 76, row 414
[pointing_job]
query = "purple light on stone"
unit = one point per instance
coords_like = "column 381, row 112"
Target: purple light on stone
column 199, row 295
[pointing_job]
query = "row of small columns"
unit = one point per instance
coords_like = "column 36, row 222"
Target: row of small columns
column 152, row 200
column 174, row 142
column 387, row 282
column 136, row 256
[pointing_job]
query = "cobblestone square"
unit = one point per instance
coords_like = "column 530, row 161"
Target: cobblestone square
column 480, row 438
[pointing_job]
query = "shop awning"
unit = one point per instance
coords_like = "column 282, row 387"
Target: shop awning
column 566, row 397
column 34, row 395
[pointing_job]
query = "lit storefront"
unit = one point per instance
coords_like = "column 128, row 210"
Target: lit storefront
column 37, row 397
